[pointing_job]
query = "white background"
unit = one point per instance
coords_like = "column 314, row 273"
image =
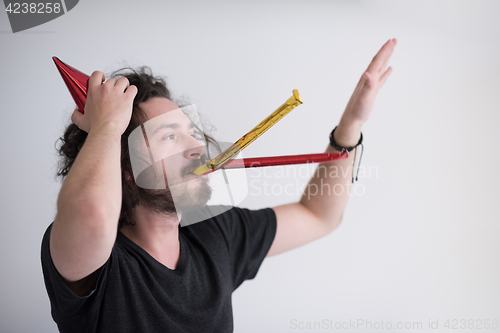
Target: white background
column 421, row 242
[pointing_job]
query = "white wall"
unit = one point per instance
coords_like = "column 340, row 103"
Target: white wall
column 420, row 244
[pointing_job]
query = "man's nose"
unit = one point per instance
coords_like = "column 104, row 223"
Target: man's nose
column 194, row 148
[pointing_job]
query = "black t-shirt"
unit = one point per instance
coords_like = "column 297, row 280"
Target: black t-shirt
column 136, row 293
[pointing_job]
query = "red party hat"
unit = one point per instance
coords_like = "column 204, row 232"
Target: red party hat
column 76, row 81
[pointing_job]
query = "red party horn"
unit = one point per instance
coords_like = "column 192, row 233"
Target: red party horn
column 76, row 81
column 256, row 162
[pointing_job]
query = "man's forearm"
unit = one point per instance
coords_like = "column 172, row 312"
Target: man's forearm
column 328, row 190
column 93, row 185
column 88, row 207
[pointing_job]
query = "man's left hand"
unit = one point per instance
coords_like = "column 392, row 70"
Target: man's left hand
column 360, row 105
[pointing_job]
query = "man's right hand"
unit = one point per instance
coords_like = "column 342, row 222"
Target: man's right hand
column 109, row 104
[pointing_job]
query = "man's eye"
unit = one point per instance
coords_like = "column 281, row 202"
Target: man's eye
column 169, row 137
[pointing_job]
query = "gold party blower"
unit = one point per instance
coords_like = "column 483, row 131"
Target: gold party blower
column 245, row 140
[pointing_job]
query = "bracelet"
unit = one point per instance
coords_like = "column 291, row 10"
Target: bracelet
column 336, row 146
column 349, row 149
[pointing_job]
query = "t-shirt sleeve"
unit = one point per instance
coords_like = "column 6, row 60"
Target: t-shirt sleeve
column 249, row 235
column 66, row 307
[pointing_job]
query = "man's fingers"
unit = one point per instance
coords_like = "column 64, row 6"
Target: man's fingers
column 384, row 76
column 96, row 79
column 382, row 55
column 111, row 82
column 131, row 91
column 122, row 83
column 388, row 55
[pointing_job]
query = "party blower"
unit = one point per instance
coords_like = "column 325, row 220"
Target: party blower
column 77, row 83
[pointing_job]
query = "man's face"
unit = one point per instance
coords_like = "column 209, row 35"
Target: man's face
column 174, row 145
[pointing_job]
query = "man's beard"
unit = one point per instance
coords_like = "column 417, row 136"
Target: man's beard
column 180, row 197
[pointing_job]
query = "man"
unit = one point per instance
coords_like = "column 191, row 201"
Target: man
column 115, row 258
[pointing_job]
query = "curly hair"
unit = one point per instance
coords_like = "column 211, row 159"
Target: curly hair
column 148, row 86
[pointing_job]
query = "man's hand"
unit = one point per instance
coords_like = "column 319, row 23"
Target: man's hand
column 108, row 104
column 361, row 103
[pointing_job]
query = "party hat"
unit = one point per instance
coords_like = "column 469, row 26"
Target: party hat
column 76, row 81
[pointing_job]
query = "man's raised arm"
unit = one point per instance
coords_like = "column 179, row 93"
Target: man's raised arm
column 322, row 205
column 89, row 203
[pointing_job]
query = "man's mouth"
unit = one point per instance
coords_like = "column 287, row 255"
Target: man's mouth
column 190, row 170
